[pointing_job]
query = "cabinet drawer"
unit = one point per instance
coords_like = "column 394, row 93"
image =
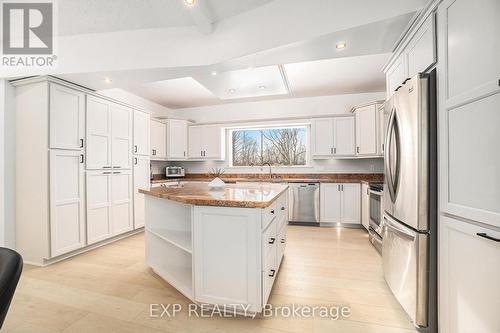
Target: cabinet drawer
column 268, row 276
column 268, row 214
column 281, row 222
column 269, row 241
column 281, row 245
column 281, row 206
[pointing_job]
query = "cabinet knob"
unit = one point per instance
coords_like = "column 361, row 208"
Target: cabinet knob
column 272, row 212
column 273, row 271
column 282, row 208
column 271, row 240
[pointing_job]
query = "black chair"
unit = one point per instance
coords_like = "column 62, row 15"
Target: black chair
column 11, row 266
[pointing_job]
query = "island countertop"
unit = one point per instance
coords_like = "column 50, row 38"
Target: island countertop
column 232, row 195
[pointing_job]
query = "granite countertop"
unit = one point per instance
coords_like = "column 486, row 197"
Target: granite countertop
column 233, row 195
column 282, row 178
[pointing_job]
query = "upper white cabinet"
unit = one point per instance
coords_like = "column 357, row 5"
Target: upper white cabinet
column 158, row 140
column 367, row 130
column 177, row 141
column 67, row 117
column 383, row 120
column 415, row 54
column 98, row 133
column 67, row 210
column 395, row 75
column 109, row 134
column 333, row 136
column 344, row 138
column 206, row 142
column 141, row 133
column 340, row 203
column 469, row 268
column 121, row 134
column 468, row 109
column 322, row 137
column 421, row 51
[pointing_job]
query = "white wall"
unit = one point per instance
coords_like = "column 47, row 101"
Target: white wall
column 2, row 162
column 298, row 108
column 137, row 101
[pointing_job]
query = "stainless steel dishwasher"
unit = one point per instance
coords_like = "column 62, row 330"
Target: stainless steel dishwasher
column 304, row 203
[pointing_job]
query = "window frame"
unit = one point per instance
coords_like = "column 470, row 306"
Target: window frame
column 229, row 140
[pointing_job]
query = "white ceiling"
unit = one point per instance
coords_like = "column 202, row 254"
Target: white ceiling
column 97, row 16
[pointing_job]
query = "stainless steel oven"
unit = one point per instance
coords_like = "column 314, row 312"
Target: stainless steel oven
column 376, row 215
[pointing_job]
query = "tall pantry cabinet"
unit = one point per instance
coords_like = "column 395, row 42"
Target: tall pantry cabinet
column 74, row 178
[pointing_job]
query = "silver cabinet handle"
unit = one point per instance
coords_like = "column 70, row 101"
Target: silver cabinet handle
column 107, row 173
column 106, row 167
column 273, row 271
column 81, row 143
column 357, row 150
column 116, row 172
column 135, row 160
column 335, row 150
column 81, row 158
column 116, row 167
column 135, row 149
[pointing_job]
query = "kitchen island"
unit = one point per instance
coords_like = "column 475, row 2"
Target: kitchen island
column 218, row 247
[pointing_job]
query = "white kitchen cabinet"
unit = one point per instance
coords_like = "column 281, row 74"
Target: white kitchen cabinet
column 468, row 109
column 121, row 201
column 141, row 133
column 395, row 75
column 330, row 202
column 99, row 205
column 351, row 203
column 99, row 141
column 109, row 204
column 366, row 130
column 469, row 271
column 383, row 120
column 340, row 203
column 67, row 117
column 206, row 142
column 141, row 180
column 344, row 136
column 333, row 137
column 421, row 51
column 67, row 216
column 365, row 205
column 177, row 141
column 121, row 136
column 322, row 137
column 158, row 140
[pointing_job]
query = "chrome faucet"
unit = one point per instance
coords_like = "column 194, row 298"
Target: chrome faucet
column 270, row 169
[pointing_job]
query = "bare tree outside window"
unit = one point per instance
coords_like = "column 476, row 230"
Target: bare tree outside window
column 284, row 146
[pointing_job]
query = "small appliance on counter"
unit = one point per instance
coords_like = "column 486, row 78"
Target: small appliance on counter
column 174, row 171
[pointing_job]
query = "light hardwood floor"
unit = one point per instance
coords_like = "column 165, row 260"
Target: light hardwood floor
column 110, row 290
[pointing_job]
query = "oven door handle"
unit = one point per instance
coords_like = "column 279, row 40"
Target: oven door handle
column 378, row 193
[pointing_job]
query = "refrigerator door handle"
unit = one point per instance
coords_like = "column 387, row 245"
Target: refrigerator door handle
column 387, row 157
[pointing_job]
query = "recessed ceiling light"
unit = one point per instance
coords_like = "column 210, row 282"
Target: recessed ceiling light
column 262, row 87
column 231, row 91
column 213, row 73
column 250, row 68
column 107, row 80
column 340, row 45
column 190, row 3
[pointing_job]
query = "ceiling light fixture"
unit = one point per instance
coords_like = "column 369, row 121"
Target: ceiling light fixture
column 213, row 73
column 190, row 3
column 231, row 91
column 340, row 45
column 262, row 87
column 107, row 80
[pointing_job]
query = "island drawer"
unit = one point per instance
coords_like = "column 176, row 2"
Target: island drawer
column 269, row 241
column 268, row 214
column 281, row 244
column 268, row 276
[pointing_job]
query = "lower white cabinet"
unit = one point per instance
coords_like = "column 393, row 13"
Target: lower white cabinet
column 365, row 205
column 141, row 180
column 469, row 272
column 67, row 216
column 109, row 204
column 340, row 203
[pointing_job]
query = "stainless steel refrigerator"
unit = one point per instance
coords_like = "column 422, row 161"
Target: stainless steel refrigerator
column 410, row 200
